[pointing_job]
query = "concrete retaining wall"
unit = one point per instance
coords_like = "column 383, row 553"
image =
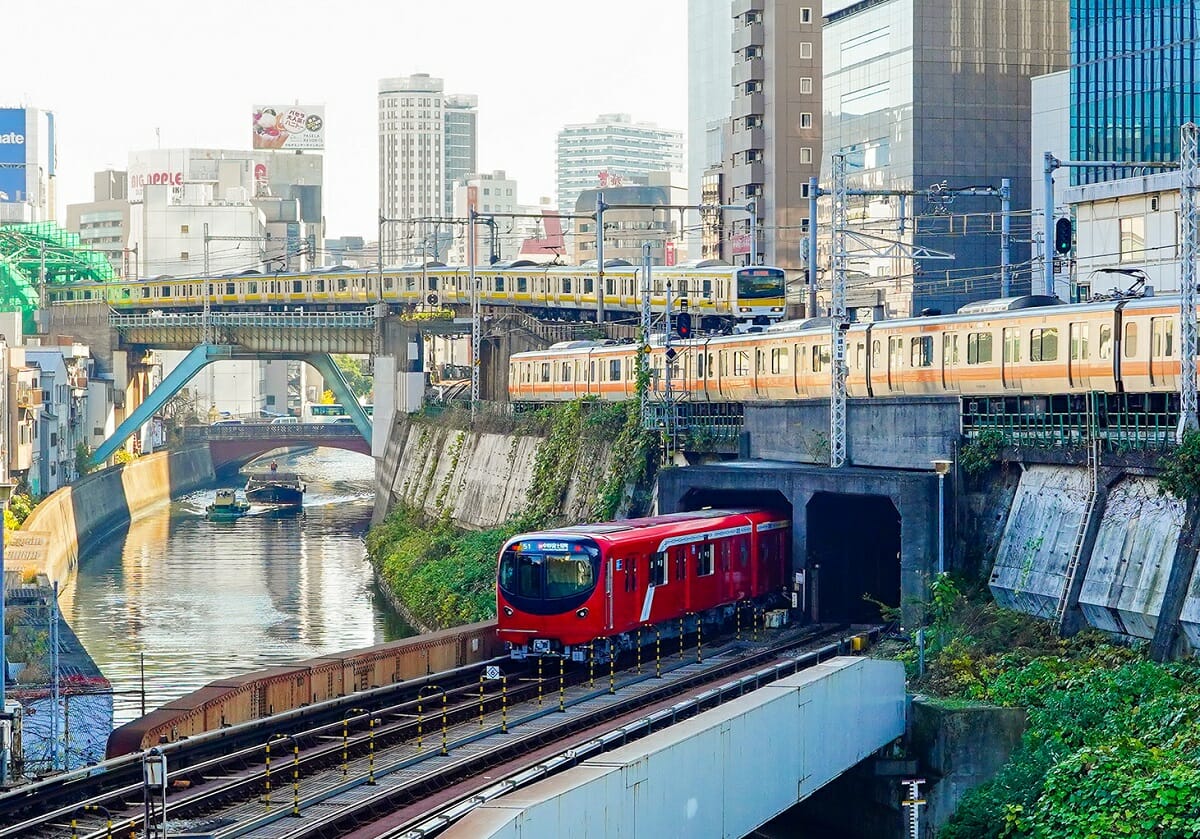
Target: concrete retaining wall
column 52, row 538
column 481, row 479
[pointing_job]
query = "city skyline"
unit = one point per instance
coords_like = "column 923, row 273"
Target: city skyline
column 204, row 96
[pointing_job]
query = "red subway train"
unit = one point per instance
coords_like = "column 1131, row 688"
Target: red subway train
column 592, row 587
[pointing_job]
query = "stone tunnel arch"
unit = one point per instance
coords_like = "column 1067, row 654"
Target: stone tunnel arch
column 853, row 555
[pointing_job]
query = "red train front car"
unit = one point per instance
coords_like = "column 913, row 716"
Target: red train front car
column 561, row 591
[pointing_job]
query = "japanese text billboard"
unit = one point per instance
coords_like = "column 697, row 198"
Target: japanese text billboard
column 298, row 127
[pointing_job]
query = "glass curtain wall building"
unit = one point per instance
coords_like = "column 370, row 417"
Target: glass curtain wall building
column 1133, row 80
column 928, row 96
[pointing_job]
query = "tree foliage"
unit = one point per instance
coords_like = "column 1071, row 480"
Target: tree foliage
column 357, row 374
column 976, row 456
column 1180, row 475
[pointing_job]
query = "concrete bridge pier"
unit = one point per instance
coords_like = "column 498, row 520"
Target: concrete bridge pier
column 399, row 377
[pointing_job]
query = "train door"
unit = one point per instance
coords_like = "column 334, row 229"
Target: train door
column 895, row 363
column 1010, row 361
column 950, row 361
column 631, row 596
column 760, row 384
column 608, row 593
column 1078, row 360
column 1162, row 350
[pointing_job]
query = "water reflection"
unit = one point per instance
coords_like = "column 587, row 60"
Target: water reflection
column 206, row 599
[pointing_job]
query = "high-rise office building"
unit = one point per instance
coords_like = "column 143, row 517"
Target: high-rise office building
column 1133, row 80
column 709, row 29
column 775, row 143
column 426, row 142
column 103, row 222
column 28, row 162
column 924, row 93
column 609, row 151
column 459, row 133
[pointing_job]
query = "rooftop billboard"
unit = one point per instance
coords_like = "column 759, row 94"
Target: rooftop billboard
column 13, row 154
column 289, row 127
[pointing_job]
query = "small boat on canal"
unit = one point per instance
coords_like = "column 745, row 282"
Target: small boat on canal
column 275, row 488
column 226, row 506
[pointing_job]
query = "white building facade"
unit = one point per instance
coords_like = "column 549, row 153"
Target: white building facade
column 489, row 192
column 609, row 151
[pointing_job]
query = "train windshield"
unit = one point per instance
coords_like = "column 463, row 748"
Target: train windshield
column 755, row 283
column 548, row 570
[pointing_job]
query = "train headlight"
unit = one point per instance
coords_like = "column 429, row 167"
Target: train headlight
column 776, row 308
column 508, row 611
column 743, row 308
column 582, row 613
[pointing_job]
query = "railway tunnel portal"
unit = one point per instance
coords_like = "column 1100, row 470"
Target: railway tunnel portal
column 861, row 536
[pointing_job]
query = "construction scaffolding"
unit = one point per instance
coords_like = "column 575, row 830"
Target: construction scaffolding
column 34, row 256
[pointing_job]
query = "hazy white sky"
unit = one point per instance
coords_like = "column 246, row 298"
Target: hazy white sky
column 113, row 72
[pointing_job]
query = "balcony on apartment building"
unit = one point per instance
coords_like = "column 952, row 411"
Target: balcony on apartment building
column 748, row 139
column 740, row 7
column 749, row 70
column 753, row 172
column 748, row 105
column 750, row 35
column 28, row 396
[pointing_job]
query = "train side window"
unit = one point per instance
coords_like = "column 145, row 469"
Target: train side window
column 1131, row 347
column 614, row 370
column 545, row 371
column 820, row 357
column 921, row 351
column 410, row 283
column 591, row 371
column 778, row 360
column 389, row 283
column 979, row 347
column 1012, row 346
column 724, row 356
column 252, row 287
column 1043, row 344
column 230, row 289
column 566, row 285
column 499, row 284
column 1079, row 341
column 876, row 355
column 297, row 287
column 711, row 370
column 704, row 560
column 860, row 354
column 522, row 285
column 566, row 371
column 320, row 285
column 706, row 288
column 658, row 568
column 681, row 564
column 433, row 283
column 1105, row 341
column 589, row 285
column 895, row 353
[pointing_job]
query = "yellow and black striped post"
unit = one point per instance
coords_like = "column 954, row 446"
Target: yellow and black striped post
column 699, row 632
column 504, row 704
column 737, row 619
column 657, row 652
column 295, row 777
column 639, row 649
column 420, row 718
column 755, row 614
column 74, row 829
column 371, row 752
column 592, row 664
column 612, row 668
column 481, row 698
column 539, row 681
column 266, row 778
column 445, row 751
column 562, row 685
column 681, row 631
column 345, row 747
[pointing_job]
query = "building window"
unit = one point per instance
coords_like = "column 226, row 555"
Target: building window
column 1133, row 239
column 805, row 154
column 806, row 15
column 183, row 228
column 804, row 190
column 806, row 120
column 184, row 256
column 806, row 49
column 806, row 84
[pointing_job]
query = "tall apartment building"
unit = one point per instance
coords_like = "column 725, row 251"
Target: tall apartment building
column 920, row 93
column 710, row 61
column 776, row 111
column 487, row 192
column 427, row 140
column 613, row 148
column 460, row 131
column 103, row 222
column 1133, row 81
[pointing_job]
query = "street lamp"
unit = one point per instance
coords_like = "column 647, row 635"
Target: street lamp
column 942, row 467
column 154, row 778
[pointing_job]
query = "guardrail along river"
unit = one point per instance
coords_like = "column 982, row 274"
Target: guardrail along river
column 204, row 600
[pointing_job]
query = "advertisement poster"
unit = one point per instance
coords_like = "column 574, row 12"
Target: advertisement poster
column 12, row 155
column 290, row 127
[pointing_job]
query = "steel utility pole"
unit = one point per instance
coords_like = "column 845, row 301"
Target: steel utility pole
column 600, row 205
column 1189, row 217
column 475, row 320
column 839, row 320
column 643, row 356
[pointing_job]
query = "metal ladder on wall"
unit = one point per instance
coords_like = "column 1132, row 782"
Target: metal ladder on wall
column 1093, row 463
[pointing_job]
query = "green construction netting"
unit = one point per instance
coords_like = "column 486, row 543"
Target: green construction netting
column 26, row 250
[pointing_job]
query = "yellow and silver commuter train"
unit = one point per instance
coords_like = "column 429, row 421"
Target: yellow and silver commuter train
column 717, row 296
column 1016, row 347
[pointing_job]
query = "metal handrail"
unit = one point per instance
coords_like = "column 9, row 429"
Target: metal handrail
column 269, row 320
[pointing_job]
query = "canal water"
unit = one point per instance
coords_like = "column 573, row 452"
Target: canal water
column 203, row 600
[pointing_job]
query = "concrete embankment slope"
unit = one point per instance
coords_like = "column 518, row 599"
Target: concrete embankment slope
column 482, row 479
column 67, row 521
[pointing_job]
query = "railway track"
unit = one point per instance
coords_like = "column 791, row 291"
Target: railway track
column 324, row 779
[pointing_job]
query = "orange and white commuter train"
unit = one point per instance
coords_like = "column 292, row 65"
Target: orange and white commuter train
column 1014, row 346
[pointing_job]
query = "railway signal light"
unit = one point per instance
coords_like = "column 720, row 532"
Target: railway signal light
column 683, row 325
column 1063, row 235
